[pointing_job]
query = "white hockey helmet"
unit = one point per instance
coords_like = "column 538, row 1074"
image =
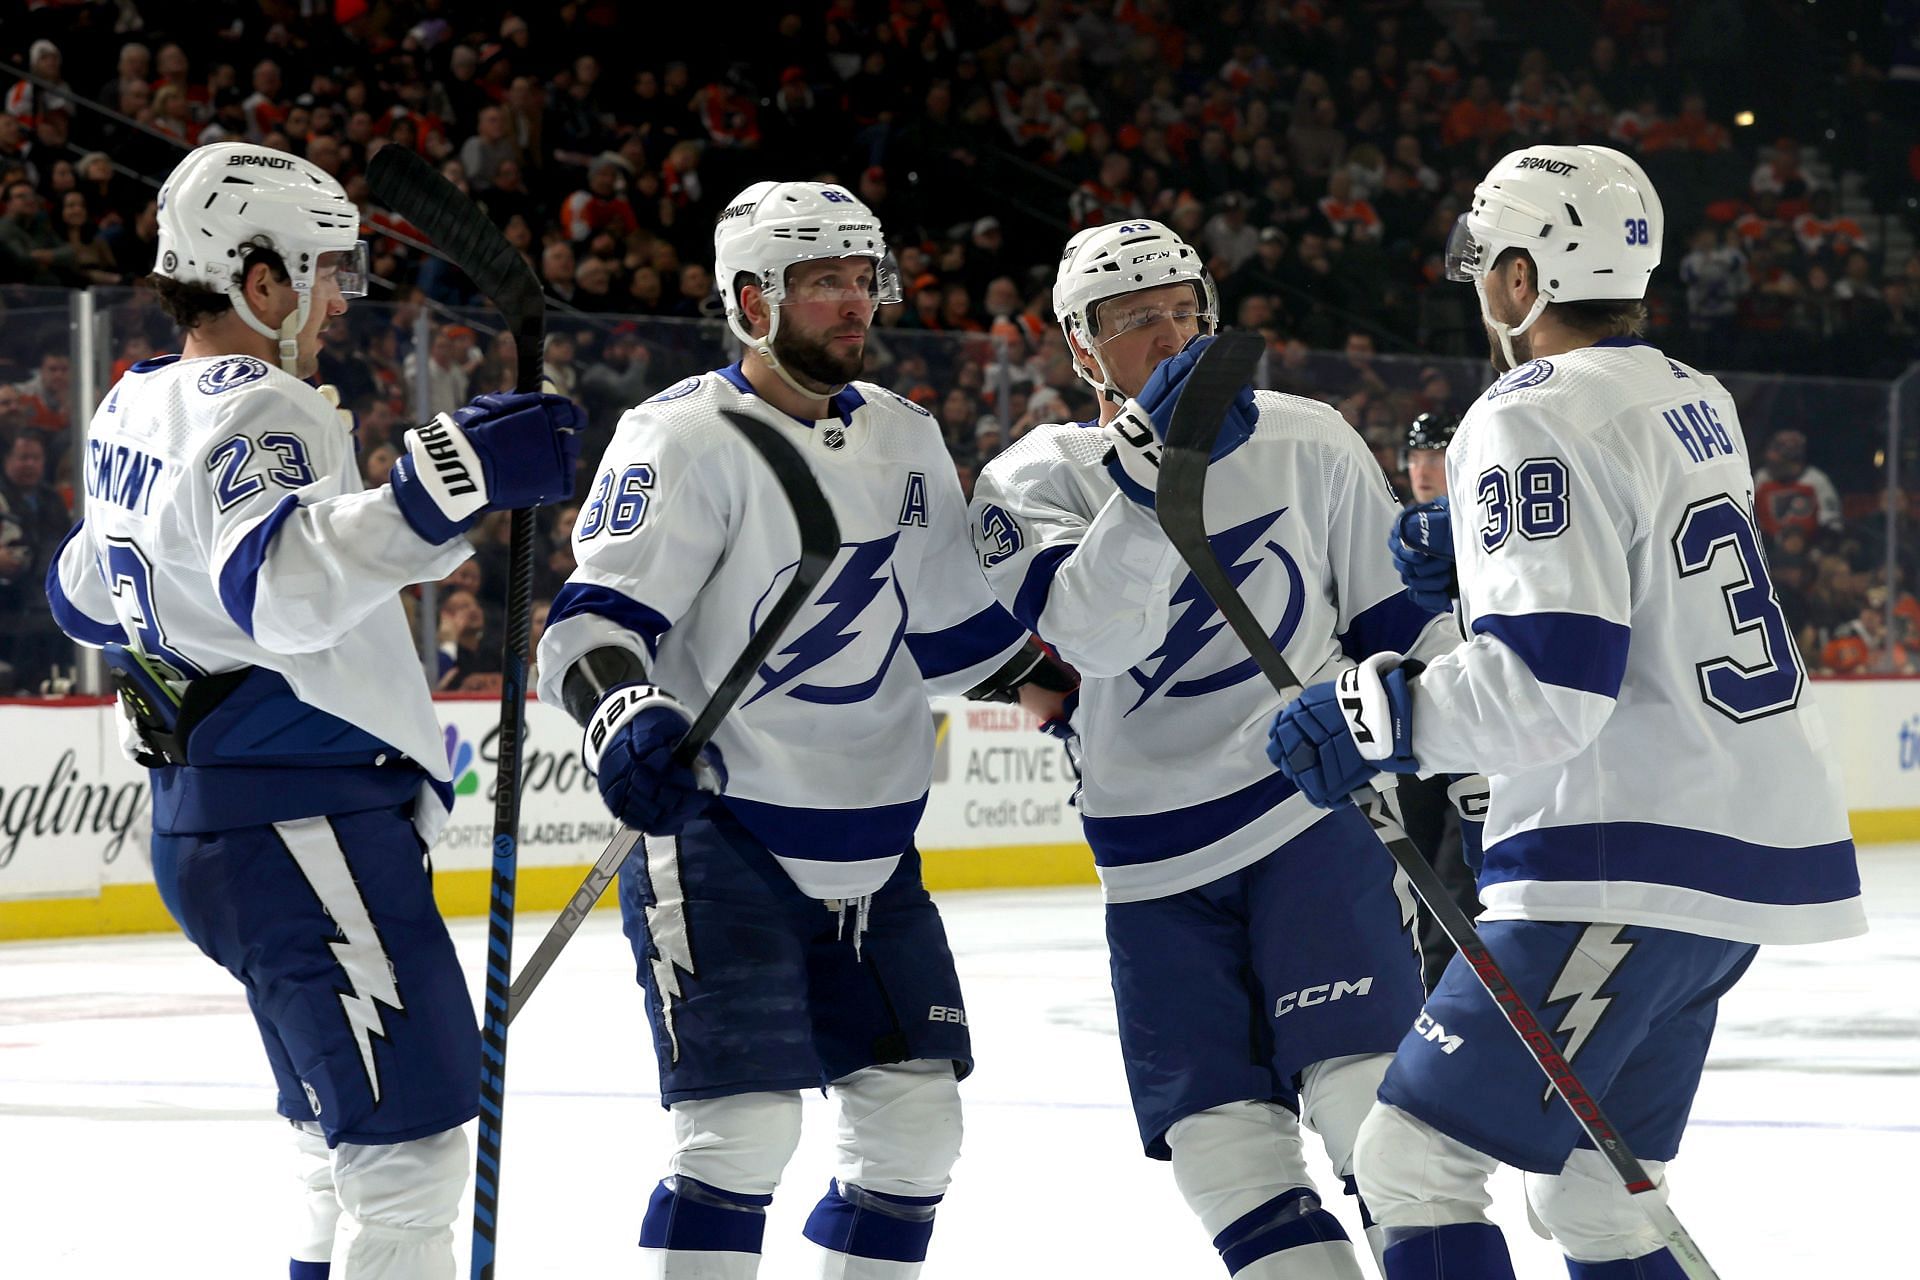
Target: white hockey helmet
column 772, row 226
column 1588, row 217
column 228, row 197
column 1121, row 258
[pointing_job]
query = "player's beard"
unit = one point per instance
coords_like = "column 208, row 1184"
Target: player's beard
column 814, row 360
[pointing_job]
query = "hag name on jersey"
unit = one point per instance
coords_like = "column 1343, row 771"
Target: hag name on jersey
column 1663, row 796
column 245, row 587
column 782, row 931
column 1261, row 961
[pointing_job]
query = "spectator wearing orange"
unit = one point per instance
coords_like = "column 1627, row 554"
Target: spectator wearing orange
column 1691, row 130
column 1349, row 218
column 1789, row 492
column 600, row 206
column 1107, row 198
column 1825, row 233
column 1476, row 117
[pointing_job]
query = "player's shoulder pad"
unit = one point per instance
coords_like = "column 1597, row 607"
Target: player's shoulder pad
column 683, row 416
column 1041, row 460
column 245, row 393
column 1289, row 417
column 886, row 398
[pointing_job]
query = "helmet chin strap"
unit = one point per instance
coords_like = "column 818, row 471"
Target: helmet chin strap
column 1504, row 331
column 763, row 347
column 287, row 335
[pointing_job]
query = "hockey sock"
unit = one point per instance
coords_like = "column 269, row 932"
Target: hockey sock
column 687, row 1215
column 1291, row 1220
column 1661, row 1265
column 298, row 1270
column 1475, row 1249
column 871, row 1224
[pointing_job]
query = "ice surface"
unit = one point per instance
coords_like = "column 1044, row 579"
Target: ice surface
column 136, row 1134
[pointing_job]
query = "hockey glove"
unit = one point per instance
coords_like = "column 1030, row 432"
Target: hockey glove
column 498, row 453
column 1333, row 738
column 1421, row 541
column 628, row 747
column 1140, row 428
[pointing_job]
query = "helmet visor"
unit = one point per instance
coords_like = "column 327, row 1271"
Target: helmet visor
column 348, row 267
column 1466, row 256
column 875, row 280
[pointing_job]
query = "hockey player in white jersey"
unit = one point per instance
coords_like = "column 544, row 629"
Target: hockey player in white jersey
column 1261, row 962
column 1663, row 796
column 245, row 588
column 781, row 930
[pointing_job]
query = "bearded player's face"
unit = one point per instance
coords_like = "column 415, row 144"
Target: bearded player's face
column 829, row 306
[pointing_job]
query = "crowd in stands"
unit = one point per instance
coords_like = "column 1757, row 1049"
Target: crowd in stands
column 1318, row 152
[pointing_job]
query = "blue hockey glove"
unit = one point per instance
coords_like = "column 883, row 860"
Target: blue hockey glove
column 1421, row 541
column 1333, row 738
column 1139, row 430
column 628, row 747
column 498, row 453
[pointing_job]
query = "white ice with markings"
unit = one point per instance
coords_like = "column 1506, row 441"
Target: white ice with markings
column 136, row 1134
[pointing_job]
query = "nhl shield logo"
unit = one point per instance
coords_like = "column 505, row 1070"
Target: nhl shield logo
column 834, row 437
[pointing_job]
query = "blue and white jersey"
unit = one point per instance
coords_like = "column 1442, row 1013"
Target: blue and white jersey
column 686, row 538
column 1173, row 714
column 226, row 528
column 1629, row 686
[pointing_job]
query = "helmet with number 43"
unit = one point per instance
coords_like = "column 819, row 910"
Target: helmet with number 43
column 1119, row 258
column 1588, row 216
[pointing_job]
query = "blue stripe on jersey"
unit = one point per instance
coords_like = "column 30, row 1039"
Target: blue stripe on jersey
column 1654, row 854
column 1572, row 650
column 981, row 638
column 829, row 835
column 240, row 575
column 67, row 615
column 1150, row 837
column 1391, row 625
column 616, row 607
column 1031, row 600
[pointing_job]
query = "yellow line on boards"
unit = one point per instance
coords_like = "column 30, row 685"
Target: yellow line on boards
column 136, row 908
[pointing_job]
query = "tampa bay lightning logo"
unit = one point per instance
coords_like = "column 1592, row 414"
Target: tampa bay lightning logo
column 1196, row 621
column 1530, row 374
column 684, row 387
column 864, row 598
column 234, row 371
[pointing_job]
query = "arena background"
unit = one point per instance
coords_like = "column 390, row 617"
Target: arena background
column 1317, row 152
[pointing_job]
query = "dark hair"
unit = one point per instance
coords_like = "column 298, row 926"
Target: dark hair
column 189, row 304
column 1596, row 318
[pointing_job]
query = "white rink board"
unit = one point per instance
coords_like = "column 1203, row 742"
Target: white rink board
column 74, row 811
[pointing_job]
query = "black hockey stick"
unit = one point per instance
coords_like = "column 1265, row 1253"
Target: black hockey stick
column 1180, row 501
column 819, row 544
column 462, row 234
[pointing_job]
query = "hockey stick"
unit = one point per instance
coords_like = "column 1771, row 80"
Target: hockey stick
column 410, row 187
column 819, row 544
column 1181, row 503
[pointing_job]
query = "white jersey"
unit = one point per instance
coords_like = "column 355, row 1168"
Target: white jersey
column 1173, row 713
column 686, row 538
column 226, row 528
column 1630, row 687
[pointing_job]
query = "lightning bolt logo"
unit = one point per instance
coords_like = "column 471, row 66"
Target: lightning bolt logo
column 1582, row 986
column 866, row 573
column 667, row 928
column 362, row 958
column 1199, row 621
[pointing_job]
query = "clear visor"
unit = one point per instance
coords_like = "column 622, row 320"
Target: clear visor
column 1118, row 317
column 1465, row 254
column 1133, row 319
column 851, row 280
column 348, row 268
